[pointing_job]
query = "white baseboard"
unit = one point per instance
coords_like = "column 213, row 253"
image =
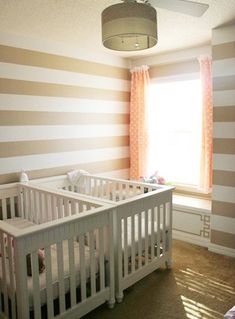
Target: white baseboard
column 222, row 250
column 196, row 240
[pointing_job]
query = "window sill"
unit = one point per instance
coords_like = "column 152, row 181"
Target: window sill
column 196, row 204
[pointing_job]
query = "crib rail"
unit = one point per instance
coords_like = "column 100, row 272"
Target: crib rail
column 40, row 205
column 101, row 187
column 77, row 276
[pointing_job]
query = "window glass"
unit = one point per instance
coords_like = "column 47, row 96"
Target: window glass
column 174, row 122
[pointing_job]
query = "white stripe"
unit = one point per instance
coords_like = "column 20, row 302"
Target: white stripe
column 222, row 223
column 224, row 130
column 43, row 161
column 121, row 174
column 76, row 50
column 31, row 133
column 58, row 104
column 224, row 98
column 223, row 35
column 224, row 162
column 224, row 67
column 31, row 73
column 223, row 193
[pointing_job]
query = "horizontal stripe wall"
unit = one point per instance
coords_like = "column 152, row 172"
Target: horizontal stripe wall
column 58, row 113
column 223, row 193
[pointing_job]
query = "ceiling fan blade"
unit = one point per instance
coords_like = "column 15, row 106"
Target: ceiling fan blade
column 195, row 9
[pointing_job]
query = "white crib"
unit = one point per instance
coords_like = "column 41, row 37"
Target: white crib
column 142, row 222
column 79, row 260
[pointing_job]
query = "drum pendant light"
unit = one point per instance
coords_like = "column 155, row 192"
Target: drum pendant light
column 129, row 26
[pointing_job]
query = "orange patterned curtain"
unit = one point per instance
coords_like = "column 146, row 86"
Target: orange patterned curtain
column 207, row 122
column 138, row 122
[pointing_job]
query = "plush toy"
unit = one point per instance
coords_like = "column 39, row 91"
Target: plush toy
column 158, row 179
column 154, row 179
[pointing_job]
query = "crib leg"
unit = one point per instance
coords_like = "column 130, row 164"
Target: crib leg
column 111, row 303
column 119, row 297
column 168, row 264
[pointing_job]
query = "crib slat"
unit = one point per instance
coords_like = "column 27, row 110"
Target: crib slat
column 132, row 243
column 146, row 237
column 60, row 263
column 49, row 208
column 66, row 207
column 53, row 208
column 36, row 287
column 46, row 206
column 95, row 193
column 60, row 207
column 125, row 247
column 72, row 271
column 158, row 231
column 82, row 267
column 164, row 228
column 92, row 263
column 12, row 207
column 152, row 234
column 73, row 207
column 101, row 258
column 42, row 207
column 139, row 240
column 4, row 209
column 4, row 275
column 12, row 279
column 101, row 189
column 31, row 205
column 36, row 208
column 50, row 311
column 20, row 201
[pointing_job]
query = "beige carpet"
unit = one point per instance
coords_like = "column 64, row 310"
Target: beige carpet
column 201, row 285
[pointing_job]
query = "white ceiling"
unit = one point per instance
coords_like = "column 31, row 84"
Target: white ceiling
column 78, row 22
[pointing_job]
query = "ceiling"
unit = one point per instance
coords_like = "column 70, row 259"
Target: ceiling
column 78, row 22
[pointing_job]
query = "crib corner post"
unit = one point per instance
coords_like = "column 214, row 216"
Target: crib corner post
column 169, row 235
column 118, row 256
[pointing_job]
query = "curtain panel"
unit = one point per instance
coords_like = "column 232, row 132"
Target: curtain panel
column 138, row 122
column 207, row 124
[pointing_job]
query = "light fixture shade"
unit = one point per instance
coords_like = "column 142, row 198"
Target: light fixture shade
column 129, row 26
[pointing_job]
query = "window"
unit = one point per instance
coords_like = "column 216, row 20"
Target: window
column 174, row 122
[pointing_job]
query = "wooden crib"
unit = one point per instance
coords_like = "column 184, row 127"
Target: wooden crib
column 142, row 222
column 76, row 238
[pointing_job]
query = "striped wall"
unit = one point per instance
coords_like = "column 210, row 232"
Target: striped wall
column 59, row 112
column 223, row 194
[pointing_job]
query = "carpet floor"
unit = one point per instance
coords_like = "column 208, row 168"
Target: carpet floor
column 200, row 285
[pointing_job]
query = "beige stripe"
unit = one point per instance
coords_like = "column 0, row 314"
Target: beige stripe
column 93, row 168
column 11, row 118
column 223, row 209
column 224, row 178
column 174, row 69
column 223, row 51
column 8, row 86
column 224, row 114
column 51, row 61
column 223, row 239
column 224, row 145
column 224, row 83
column 11, row 149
